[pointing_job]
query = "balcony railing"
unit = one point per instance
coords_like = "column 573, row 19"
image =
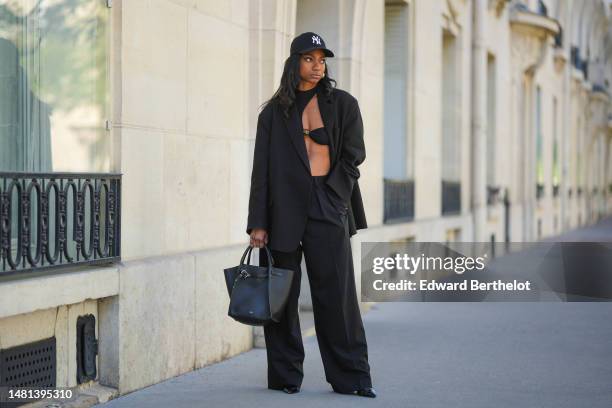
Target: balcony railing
column 399, row 200
column 542, row 9
column 493, row 195
column 559, row 38
column 451, row 197
column 599, row 87
column 581, row 64
column 50, row 220
column 539, row 191
column 575, row 57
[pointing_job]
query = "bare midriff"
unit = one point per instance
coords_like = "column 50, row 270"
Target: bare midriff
column 318, row 154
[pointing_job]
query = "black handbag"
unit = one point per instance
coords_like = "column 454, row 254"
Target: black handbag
column 258, row 294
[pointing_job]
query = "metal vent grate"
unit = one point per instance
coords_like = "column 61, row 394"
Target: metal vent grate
column 29, row 365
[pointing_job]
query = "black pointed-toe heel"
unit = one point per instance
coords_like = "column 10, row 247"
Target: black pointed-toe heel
column 367, row 392
column 291, row 389
column 362, row 392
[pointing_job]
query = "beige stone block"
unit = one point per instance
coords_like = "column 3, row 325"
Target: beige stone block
column 28, row 295
column 217, row 335
column 240, row 12
column 340, row 69
column 197, row 191
column 27, row 328
column 108, row 350
column 240, row 182
column 372, row 37
column 269, row 58
column 272, row 13
column 143, row 203
column 156, row 328
column 216, row 77
column 154, row 64
column 371, row 180
column 221, row 10
column 62, row 346
column 427, row 188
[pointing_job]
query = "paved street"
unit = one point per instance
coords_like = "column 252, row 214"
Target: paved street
column 435, row 355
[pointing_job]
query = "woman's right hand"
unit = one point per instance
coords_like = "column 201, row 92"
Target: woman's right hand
column 259, row 238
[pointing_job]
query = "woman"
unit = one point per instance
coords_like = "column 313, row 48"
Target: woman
column 305, row 198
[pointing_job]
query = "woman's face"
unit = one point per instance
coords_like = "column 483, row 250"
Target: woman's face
column 312, row 66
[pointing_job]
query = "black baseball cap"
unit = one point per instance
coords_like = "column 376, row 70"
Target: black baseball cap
column 307, row 42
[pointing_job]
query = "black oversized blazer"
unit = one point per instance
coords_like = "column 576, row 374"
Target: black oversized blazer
column 281, row 183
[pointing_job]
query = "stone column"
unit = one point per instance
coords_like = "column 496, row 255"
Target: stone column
column 479, row 122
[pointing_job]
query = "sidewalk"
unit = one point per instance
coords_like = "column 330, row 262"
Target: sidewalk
column 435, row 355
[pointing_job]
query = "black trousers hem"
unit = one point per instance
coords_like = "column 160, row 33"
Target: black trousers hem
column 326, row 248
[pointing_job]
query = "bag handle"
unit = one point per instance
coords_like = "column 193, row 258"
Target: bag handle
column 249, row 250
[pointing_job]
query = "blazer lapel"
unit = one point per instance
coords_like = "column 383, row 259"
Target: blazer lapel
column 294, row 127
column 326, row 107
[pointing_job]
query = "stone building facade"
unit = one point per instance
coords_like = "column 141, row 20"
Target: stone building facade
column 485, row 120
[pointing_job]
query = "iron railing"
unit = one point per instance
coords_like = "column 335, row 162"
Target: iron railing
column 581, row 64
column 575, row 57
column 451, row 197
column 493, row 194
column 559, row 38
column 542, row 9
column 398, row 200
column 50, row 220
column 599, row 87
column 539, row 190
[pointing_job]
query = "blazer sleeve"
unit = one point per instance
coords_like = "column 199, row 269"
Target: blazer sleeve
column 345, row 173
column 258, row 199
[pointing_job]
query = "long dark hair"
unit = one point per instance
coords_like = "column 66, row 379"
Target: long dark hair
column 285, row 94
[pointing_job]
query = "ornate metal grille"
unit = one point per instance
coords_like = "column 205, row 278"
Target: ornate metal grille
column 29, row 365
column 56, row 219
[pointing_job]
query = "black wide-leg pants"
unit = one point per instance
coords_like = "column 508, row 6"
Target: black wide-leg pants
column 329, row 262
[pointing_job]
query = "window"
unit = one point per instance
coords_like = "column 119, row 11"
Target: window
column 539, row 142
column 555, row 153
column 398, row 174
column 451, row 116
column 395, row 92
column 54, row 86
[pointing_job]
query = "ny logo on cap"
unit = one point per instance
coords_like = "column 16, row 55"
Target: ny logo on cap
column 316, row 39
